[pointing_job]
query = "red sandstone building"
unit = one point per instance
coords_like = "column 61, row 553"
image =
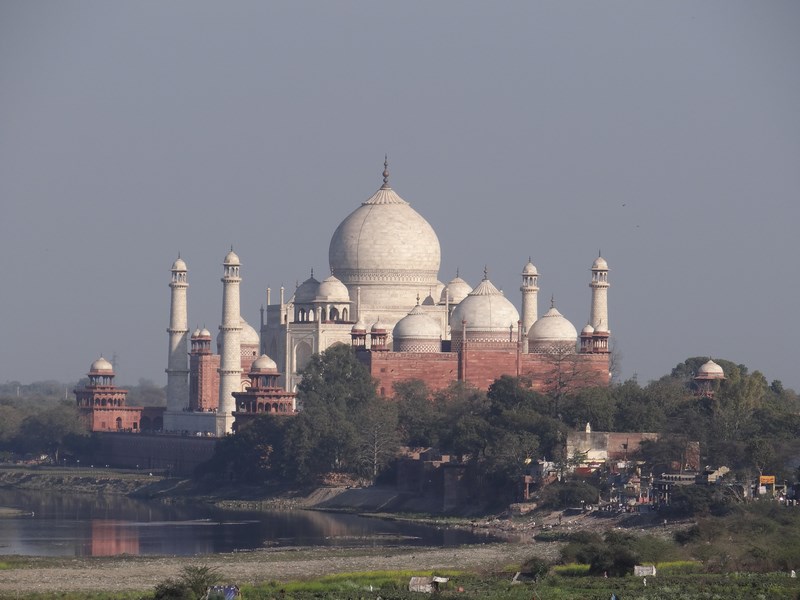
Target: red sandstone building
column 102, row 405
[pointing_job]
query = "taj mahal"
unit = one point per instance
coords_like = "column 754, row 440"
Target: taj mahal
column 384, row 297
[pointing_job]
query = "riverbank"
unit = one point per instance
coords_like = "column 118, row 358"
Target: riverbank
column 131, row 573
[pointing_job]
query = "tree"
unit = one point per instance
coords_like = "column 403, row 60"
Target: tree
column 379, row 440
column 50, row 430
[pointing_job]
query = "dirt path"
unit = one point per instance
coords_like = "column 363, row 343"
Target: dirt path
column 143, row 573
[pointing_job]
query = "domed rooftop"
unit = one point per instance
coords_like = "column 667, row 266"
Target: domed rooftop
column 588, row 329
column 263, row 363
column 552, row 326
column 231, row 258
column 101, row 365
column 332, row 290
column 457, row 290
column 196, row 333
column 378, row 327
column 205, row 333
column 385, row 242
column 600, row 264
column 710, row 370
column 417, row 325
column 249, row 335
column 360, row 326
column 179, row 264
column 307, row 291
column 485, row 309
column 529, row 269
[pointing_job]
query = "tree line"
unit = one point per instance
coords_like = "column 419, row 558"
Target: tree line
column 344, row 427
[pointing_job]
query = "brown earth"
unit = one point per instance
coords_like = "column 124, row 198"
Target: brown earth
column 128, row 573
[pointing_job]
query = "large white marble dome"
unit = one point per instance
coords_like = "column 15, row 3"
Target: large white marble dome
column 386, row 248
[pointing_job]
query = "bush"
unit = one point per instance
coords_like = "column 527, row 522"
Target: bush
column 535, row 567
column 191, row 584
column 568, row 494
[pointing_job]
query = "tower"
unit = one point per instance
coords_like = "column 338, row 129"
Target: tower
column 530, row 299
column 230, row 367
column 178, row 330
column 598, row 317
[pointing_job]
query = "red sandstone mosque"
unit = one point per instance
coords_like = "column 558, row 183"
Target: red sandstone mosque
column 384, row 298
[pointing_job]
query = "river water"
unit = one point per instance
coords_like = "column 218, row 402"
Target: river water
column 59, row 524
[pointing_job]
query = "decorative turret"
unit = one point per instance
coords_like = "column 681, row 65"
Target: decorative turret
column 708, row 373
column 230, row 368
column 178, row 330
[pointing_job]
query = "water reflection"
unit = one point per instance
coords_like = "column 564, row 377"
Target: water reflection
column 87, row 525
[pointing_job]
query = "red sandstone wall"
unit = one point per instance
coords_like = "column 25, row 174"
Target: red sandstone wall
column 105, row 418
column 180, row 455
column 484, row 366
column 438, row 370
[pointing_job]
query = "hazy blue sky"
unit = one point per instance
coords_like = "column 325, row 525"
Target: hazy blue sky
column 666, row 134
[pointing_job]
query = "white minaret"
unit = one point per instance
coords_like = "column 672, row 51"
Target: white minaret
column 178, row 361
column 230, row 364
column 530, row 297
column 598, row 317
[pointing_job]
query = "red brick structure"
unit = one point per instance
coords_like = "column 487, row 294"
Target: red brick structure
column 101, row 404
column 264, row 395
column 480, row 364
column 203, row 374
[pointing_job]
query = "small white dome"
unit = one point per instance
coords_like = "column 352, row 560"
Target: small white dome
column 457, row 290
column 231, row 258
column 263, row 363
column 600, row 264
column 205, row 333
column 711, row 370
column 196, row 333
column 179, row 265
column 418, row 325
column 306, row 291
column 378, row 327
column 360, row 326
column 552, row 331
column 588, row 330
column 332, row 290
column 101, row 365
column 530, row 269
column 485, row 309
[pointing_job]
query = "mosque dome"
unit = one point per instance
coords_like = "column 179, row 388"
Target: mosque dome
column 386, row 248
column 710, row 370
column 457, row 290
column 332, row 290
column 307, row 291
column 179, row 265
column 101, row 365
column 249, row 335
column 552, row 331
column 417, row 324
column 378, row 327
column 205, row 333
column 263, row 363
column 196, row 334
column 587, row 330
column 231, row 258
column 600, row 264
column 529, row 269
column 485, row 309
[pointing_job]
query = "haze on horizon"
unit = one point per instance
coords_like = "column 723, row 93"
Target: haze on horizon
column 666, row 134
